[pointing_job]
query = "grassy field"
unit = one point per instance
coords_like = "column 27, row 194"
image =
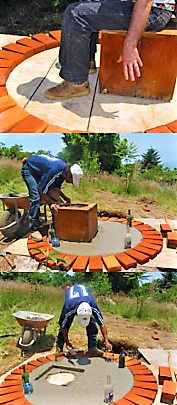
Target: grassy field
column 16, row 296
column 163, row 196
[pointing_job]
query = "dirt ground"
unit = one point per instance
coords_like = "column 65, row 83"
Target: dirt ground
column 119, row 208
column 121, row 332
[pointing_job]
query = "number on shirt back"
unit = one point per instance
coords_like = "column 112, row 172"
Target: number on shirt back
column 81, row 293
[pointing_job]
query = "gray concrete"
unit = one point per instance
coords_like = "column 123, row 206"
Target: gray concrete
column 88, row 386
column 159, row 357
column 108, row 240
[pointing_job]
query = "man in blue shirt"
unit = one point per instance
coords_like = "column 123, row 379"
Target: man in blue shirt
column 44, row 176
column 79, row 301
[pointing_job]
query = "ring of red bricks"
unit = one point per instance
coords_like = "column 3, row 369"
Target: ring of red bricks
column 14, row 118
column 148, row 248
column 143, row 392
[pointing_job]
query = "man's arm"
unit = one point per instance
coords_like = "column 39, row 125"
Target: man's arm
column 129, row 55
column 66, row 339
column 105, row 336
column 62, row 195
column 48, row 200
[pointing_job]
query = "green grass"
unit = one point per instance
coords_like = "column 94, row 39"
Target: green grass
column 165, row 196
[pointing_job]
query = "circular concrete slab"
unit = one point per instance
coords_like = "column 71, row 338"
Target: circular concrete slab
column 108, row 240
column 88, row 386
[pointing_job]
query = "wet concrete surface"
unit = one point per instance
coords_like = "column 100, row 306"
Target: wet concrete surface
column 88, row 386
column 108, row 240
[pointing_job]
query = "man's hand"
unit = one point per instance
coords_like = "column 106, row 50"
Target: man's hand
column 54, row 209
column 108, row 346
column 131, row 62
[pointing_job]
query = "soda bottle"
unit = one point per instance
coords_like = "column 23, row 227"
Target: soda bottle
column 27, row 386
column 108, row 391
column 121, row 358
column 51, row 232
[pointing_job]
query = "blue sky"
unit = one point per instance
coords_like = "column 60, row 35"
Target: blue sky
column 166, row 144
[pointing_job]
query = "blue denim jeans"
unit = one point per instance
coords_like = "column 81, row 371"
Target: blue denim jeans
column 82, row 19
column 35, row 200
column 92, row 332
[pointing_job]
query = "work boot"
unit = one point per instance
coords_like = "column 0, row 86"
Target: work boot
column 92, row 69
column 67, row 90
column 95, row 351
column 36, row 236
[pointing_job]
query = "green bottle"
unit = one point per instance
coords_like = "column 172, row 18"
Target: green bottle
column 121, row 358
column 51, row 232
column 129, row 219
column 25, row 375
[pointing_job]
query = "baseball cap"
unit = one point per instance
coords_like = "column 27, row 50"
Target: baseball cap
column 84, row 312
column 77, row 174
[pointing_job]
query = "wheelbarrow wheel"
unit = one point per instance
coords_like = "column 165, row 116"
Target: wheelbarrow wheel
column 27, row 337
column 17, row 230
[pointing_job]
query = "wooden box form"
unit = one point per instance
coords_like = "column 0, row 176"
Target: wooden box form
column 158, row 75
column 77, row 224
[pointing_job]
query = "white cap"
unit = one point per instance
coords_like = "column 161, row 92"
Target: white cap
column 84, row 312
column 77, row 174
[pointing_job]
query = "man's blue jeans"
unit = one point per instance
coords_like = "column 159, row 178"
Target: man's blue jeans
column 81, row 19
column 92, row 332
column 35, row 200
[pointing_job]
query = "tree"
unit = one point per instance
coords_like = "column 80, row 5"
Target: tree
column 150, row 159
column 168, row 280
column 97, row 152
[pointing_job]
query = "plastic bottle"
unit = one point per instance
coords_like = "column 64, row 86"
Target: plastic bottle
column 108, row 391
column 55, row 242
column 121, row 358
column 128, row 238
column 27, row 386
column 51, row 232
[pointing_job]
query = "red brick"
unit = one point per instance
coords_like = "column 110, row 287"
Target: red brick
column 8, row 390
column 172, row 126
column 144, row 393
column 80, row 263
column 141, row 258
column 155, row 242
column 108, row 355
column 17, row 371
column 20, row 49
column 10, row 397
column 14, row 57
column 10, row 383
column 5, row 63
column 137, row 223
column 172, row 238
column 140, row 370
column 151, row 253
column 160, row 129
column 56, row 35
column 13, row 377
column 165, row 228
column 37, row 46
column 45, row 39
column 51, row 357
column 146, row 209
column 35, row 363
column 111, row 263
column 30, row 124
column 113, row 219
column 4, row 74
column 123, row 401
column 152, row 233
column 132, row 362
column 95, row 264
column 145, row 377
column 143, row 227
column 164, row 374
column 122, row 220
column 103, row 218
column 19, row 401
column 51, row 129
column 169, row 390
column 3, row 91
column 126, row 261
column 10, row 117
column 155, row 337
column 136, row 399
column 71, row 259
column 146, row 385
column 6, row 102
column 43, row 360
column 148, row 245
column 33, row 252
